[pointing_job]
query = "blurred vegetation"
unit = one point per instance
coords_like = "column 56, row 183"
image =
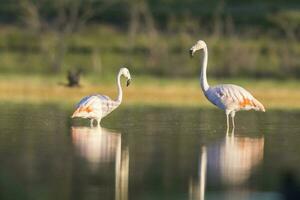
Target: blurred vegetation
column 245, row 38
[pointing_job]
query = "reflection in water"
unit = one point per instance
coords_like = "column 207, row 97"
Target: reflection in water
column 238, row 155
column 122, row 172
column 234, row 158
column 197, row 188
column 41, row 160
column 99, row 145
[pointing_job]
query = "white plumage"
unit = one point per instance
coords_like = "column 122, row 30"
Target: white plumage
column 228, row 97
column 96, row 107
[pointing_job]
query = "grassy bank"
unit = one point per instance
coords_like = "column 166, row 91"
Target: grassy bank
column 143, row 91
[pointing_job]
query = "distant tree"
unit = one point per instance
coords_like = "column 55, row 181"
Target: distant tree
column 142, row 21
column 57, row 19
column 218, row 23
column 288, row 22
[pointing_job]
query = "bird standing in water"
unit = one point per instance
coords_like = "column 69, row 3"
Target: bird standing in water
column 96, row 107
column 228, row 97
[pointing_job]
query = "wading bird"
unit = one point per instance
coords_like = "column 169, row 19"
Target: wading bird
column 74, row 77
column 228, row 97
column 96, row 107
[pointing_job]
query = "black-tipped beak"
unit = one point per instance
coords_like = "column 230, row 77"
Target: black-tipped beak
column 191, row 53
column 128, row 82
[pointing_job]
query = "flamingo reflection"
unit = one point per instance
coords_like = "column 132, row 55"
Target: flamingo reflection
column 99, row 145
column 238, row 156
column 197, row 188
column 234, row 159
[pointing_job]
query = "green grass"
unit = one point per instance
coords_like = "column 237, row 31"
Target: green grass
column 143, row 91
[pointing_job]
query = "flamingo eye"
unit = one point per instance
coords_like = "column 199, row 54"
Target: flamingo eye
column 220, row 94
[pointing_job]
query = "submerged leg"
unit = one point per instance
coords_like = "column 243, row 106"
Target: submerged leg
column 92, row 122
column 232, row 133
column 98, row 122
column 227, row 121
column 232, row 117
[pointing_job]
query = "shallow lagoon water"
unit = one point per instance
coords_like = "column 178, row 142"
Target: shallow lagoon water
column 146, row 153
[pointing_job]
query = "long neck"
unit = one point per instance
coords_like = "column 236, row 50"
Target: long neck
column 120, row 92
column 203, row 79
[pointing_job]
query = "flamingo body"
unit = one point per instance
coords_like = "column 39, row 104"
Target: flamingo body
column 232, row 98
column 228, row 97
column 97, row 106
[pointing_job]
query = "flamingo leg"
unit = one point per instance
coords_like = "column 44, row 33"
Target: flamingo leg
column 232, row 117
column 98, row 122
column 92, row 122
column 227, row 121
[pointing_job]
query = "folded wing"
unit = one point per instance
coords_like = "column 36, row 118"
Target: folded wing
column 233, row 97
column 95, row 106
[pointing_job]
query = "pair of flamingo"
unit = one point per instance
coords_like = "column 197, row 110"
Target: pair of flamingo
column 228, row 97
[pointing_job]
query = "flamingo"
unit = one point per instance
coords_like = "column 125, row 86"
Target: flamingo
column 97, row 106
column 228, row 97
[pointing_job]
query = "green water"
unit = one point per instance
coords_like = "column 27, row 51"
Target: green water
column 146, row 153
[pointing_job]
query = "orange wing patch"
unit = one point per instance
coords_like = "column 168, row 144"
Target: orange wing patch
column 87, row 109
column 246, row 102
column 82, row 109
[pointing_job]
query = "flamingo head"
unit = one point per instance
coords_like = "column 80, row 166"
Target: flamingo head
column 125, row 72
column 199, row 45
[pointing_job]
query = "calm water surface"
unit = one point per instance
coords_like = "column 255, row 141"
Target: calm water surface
column 146, row 153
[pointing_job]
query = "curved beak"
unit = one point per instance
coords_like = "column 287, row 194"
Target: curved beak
column 191, row 53
column 128, row 82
